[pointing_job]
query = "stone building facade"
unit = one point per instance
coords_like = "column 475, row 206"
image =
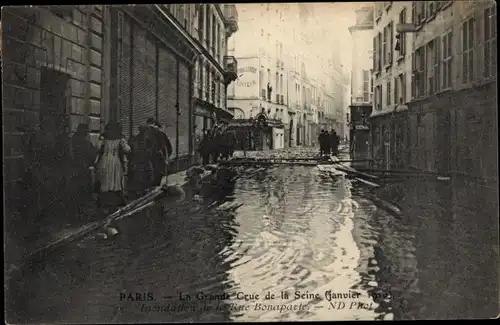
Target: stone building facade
column 54, row 77
column 453, row 111
column 391, row 85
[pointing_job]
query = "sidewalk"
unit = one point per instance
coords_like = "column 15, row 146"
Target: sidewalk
column 49, row 235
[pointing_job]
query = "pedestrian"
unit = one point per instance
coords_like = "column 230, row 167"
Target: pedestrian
column 334, row 143
column 141, row 171
column 204, row 147
column 83, row 154
column 158, row 148
column 321, row 141
column 198, row 136
column 215, row 143
column 165, row 151
column 111, row 167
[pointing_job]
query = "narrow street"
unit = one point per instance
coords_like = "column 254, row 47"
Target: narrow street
column 283, row 229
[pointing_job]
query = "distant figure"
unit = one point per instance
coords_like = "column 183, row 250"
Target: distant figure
column 83, row 154
column 162, row 149
column 204, row 147
column 334, row 143
column 322, row 138
column 166, row 149
column 141, row 171
column 111, row 167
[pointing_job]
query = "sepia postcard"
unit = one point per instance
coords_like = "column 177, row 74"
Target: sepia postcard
column 250, row 162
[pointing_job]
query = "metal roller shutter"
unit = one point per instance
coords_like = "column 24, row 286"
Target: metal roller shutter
column 124, row 71
column 184, row 116
column 167, row 93
column 143, row 78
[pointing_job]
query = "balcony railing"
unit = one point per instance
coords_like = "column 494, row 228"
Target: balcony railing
column 230, row 69
column 231, row 15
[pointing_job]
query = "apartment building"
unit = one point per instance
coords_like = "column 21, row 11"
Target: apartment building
column 392, row 59
column 453, row 108
column 212, row 26
column 261, row 89
column 361, row 90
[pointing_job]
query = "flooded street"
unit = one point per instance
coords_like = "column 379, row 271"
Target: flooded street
column 282, row 246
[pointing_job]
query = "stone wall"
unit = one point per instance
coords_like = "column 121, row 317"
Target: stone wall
column 41, row 45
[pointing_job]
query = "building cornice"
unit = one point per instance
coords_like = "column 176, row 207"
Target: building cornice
column 360, row 27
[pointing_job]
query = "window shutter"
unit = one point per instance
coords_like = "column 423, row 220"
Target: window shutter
column 143, row 78
column 167, row 93
column 184, row 111
column 124, row 71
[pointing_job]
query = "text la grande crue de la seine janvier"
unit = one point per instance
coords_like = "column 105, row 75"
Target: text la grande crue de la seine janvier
column 241, row 301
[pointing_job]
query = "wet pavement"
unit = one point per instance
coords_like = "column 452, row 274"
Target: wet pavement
column 288, row 231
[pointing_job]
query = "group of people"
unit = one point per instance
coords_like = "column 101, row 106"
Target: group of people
column 215, row 144
column 135, row 165
column 328, row 143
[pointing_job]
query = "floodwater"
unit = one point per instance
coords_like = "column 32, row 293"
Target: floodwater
column 279, row 241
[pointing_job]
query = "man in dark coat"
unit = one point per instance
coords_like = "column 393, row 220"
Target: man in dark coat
column 334, row 143
column 162, row 149
column 322, row 143
column 83, row 154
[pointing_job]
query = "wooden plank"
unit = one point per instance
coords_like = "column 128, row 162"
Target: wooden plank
column 266, row 162
column 367, row 182
column 350, row 170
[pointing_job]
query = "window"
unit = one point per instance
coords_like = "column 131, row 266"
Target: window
column 402, row 83
column 418, row 73
column 63, row 12
column 212, row 93
column 199, row 11
column 391, row 42
column 182, row 16
column 388, row 93
column 447, row 58
column 277, row 84
column 384, row 46
column 371, row 84
column 468, row 51
column 366, row 86
column 379, row 52
column 207, row 83
column 207, row 27
column 214, row 36
column 418, row 12
column 402, row 36
column 281, row 83
column 432, row 68
column 490, row 41
column 396, row 90
column 217, row 41
column 431, row 9
column 200, row 80
column 378, row 97
column 261, row 80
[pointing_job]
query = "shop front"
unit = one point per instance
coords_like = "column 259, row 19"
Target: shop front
column 153, row 72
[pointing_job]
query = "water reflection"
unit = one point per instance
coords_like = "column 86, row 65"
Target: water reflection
column 283, row 229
